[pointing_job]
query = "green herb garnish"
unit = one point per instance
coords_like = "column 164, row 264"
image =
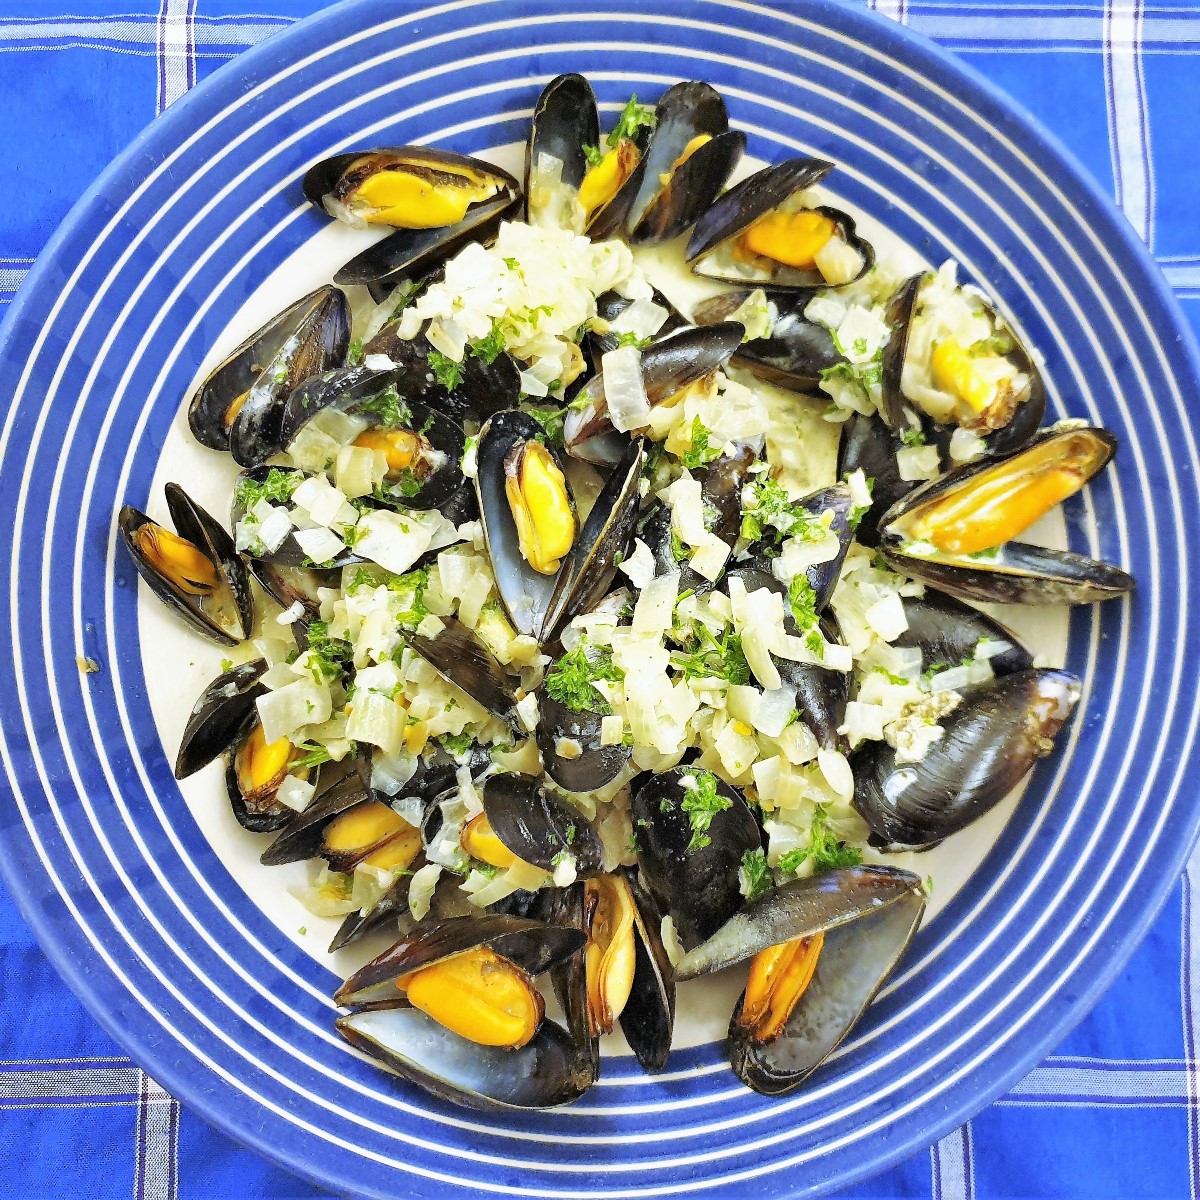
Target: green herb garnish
column 391, row 410
column 330, row 659
column 702, row 801
column 551, row 421
column 355, row 354
column 570, row 680
column 772, row 515
column 593, row 154
column 714, row 658
column 314, row 755
column 756, row 875
column 633, row 117
column 913, row 436
column 701, row 452
column 632, row 339
column 277, row 488
column 825, row 851
column 445, row 370
column 488, row 348
column 457, row 743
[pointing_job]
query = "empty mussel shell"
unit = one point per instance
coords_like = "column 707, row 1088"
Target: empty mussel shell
column 868, row 445
column 988, row 744
column 573, row 753
column 195, row 570
column 407, row 187
column 463, row 660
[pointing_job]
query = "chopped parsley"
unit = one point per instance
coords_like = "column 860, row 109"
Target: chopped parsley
column 355, row 354
column 861, row 378
column 633, row 117
column 488, row 348
column 679, row 552
column 802, row 600
column 457, row 743
column 713, row 658
column 825, row 851
column 997, row 344
column 329, row 658
column 639, row 343
column 702, row 801
column 771, row 514
column 701, row 452
column 445, row 370
column 551, row 421
column 858, row 511
column 314, row 754
column 277, row 487
column 226, row 665
column 755, row 875
column 913, row 436
column 570, row 680
column 405, row 295
column 593, row 154
column 392, row 412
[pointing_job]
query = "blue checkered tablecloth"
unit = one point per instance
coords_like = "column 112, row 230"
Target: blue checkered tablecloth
column 1114, row 1113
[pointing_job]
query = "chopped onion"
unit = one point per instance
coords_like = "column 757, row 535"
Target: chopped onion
column 296, row 793
column 319, row 545
column 624, row 388
column 377, row 720
column 918, row 462
column 420, row 890
column 393, row 541
column 290, row 708
column 640, row 565
column 656, row 605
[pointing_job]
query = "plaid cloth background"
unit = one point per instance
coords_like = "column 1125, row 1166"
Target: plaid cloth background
column 1115, row 1112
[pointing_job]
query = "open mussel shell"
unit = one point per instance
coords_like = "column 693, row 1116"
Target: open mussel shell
column 289, row 552
column 610, row 305
column 257, row 811
column 308, row 337
column 287, row 585
column 343, row 785
column 389, row 908
column 836, row 502
column 572, row 752
column 565, row 119
column 485, row 387
column 800, row 908
column 460, row 658
column 668, row 367
column 524, row 592
column 603, row 542
column 434, row 188
column 547, row 1071
column 536, row 827
column 534, row 946
column 714, row 247
column 359, row 394
column 946, row 631
column 685, row 112
column 566, row 907
column 795, row 353
column 697, row 887
column 196, row 571
column 949, row 531
column 989, row 743
column 648, row 1020
column 416, row 253
column 1001, row 435
column 855, row 961
column 868, row 445
column 217, row 718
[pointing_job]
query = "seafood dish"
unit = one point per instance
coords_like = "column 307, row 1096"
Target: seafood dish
column 589, row 634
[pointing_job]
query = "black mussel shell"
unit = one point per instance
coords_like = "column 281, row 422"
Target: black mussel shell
column 218, row 716
column 800, row 908
column 795, row 353
column 689, row 189
column 946, row 631
column 990, row 741
column 286, row 584
column 648, row 1021
column 318, row 336
column 835, row 500
column 569, row 979
column 868, row 445
column 546, row 1072
column 565, row 120
column 600, row 546
column 263, row 814
column 525, row 593
column 340, row 789
column 1013, row 572
column 668, row 366
column 610, row 305
column 226, row 615
column 855, row 962
column 309, row 336
column 536, row 827
column 289, row 552
column 899, row 317
column 463, row 660
column 328, row 183
column 533, row 946
column 685, row 111
column 376, row 398
column 697, row 887
column 389, row 908
column 416, row 253
column 594, row 765
column 484, row 389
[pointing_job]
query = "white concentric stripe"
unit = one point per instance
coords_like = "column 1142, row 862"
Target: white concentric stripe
column 367, row 134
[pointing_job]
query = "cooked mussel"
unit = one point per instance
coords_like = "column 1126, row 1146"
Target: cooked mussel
column 868, row 445
column 989, row 742
column 463, row 660
column 414, row 254
column 622, row 316
column 822, row 948
column 765, row 231
column 958, row 532
column 538, row 828
column 254, row 774
column 407, row 187
column 791, row 351
column 689, row 863
column 573, row 750
column 565, row 120
column 948, row 632
column 194, row 570
column 219, row 716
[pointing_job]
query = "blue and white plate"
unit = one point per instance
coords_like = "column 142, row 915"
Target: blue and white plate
column 147, row 896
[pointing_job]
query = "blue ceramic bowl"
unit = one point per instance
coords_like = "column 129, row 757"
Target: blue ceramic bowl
column 131, row 900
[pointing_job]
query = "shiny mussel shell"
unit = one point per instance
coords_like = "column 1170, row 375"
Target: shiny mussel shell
column 695, row 883
column 572, row 751
column 958, row 532
column 536, row 827
column 463, row 660
column 990, row 742
column 565, row 120
column 196, row 571
column 407, row 187
column 948, row 632
column 728, row 242
column 218, row 717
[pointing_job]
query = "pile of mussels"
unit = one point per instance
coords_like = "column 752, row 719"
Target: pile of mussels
column 452, row 1005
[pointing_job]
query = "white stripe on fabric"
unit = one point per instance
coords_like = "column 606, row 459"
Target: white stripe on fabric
column 1182, row 277
column 12, row 277
column 175, row 67
column 1104, row 1083
column 157, row 1171
column 1128, row 123
column 78, row 1082
column 141, row 33
column 896, row 9
column 952, row 1164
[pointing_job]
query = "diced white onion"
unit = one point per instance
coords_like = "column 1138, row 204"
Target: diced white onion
column 918, row 462
column 393, row 541
column 296, row 793
column 377, row 720
column 624, row 388
column 298, row 704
